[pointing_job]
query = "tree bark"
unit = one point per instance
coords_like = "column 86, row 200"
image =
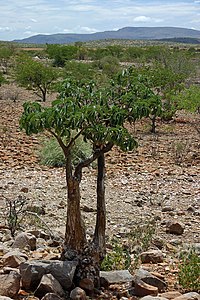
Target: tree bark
column 100, row 228
column 75, row 235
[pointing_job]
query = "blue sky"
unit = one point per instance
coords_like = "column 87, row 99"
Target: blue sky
column 24, row 18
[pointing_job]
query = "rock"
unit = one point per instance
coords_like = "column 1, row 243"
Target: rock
column 13, row 259
column 153, row 256
column 118, row 276
column 175, row 227
column 36, row 209
column 32, row 272
column 3, row 249
column 78, row 294
column 144, row 289
column 10, row 284
column 171, row 295
column 158, row 242
column 5, row 298
column 49, row 284
column 189, row 296
column 153, row 298
column 167, row 208
column 40, row 234
column 87, row 284
column 25, row 240
column 51, row 296
column 150, row 279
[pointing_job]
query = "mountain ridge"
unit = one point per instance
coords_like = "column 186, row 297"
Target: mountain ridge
column 128, row 33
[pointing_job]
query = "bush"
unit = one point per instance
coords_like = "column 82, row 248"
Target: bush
column 118, row 259
column 189, row 271
column 52, row 155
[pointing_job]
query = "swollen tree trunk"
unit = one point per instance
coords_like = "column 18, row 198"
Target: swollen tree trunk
column 75, row 236
column 99, row 234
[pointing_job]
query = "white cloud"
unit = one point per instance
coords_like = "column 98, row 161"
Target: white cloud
column 88, row 16
column 33, row 20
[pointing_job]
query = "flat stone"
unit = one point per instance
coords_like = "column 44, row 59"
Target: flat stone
column 118, row 276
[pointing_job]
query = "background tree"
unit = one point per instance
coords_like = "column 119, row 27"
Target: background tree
column 6, row 52
column 36, row 76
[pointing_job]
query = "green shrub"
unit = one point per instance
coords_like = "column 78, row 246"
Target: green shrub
column 189, row 271
column 117, row 259
column 52, row 155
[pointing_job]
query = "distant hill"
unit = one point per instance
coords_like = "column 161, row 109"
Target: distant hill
column 128, row 33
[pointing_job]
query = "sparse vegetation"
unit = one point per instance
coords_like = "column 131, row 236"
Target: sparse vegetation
column 189, row 271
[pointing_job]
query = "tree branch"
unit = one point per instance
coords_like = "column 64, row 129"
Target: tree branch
column 89, row 160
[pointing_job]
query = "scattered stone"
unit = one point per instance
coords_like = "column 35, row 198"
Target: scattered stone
column 171, row 295
column 167, row 208
column 152, row 256
column 51, row 296
column 32, row 272
column 153, row 298
column 144, row 289
column 49, row 284
column 39, row 234
column 150, row 279
column 78, row 294
column 118, row 276
column 10, row 284
column 189, row 296
column 13, row 259
column 175, row 227
column 158, row 242
column 25, row 240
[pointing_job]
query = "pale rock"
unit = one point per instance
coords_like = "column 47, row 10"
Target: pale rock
column 25, row 240
column 10, row 284
column 118, row 276
column 153, row 298
column 171, row 294
column 49, row 284
column 189, row 296
column 5, row 298
column 51, row 296
column 78, row 294
column 152, row 256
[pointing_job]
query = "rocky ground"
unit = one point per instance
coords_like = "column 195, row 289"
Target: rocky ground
column 159, row 182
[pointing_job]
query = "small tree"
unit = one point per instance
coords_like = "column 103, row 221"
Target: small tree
column 99, row 115
column 6, row 53
column 35, row 76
